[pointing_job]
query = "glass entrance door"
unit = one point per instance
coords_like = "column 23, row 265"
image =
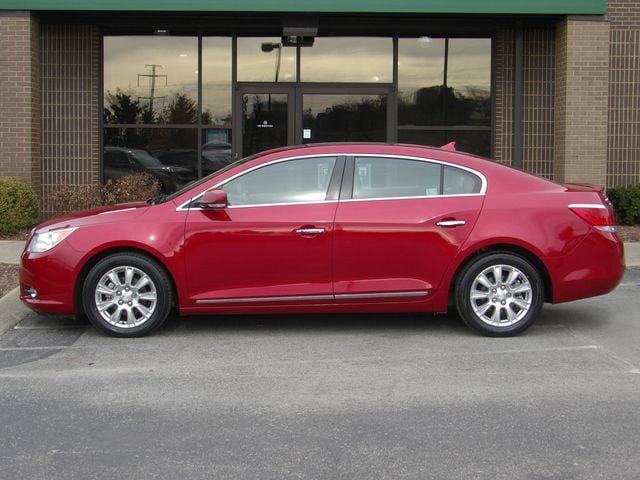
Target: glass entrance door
column 276, row 116
column 331, row 117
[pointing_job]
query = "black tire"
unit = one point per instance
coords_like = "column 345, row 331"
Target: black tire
column 135, row 295
column 509, row 308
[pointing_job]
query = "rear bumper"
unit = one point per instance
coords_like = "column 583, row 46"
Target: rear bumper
column 594, row 268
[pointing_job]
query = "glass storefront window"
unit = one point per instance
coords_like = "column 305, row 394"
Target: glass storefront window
column 444, row 90
column 348, row 59
column 150, row 79
column 469, row 81
column 264, row 59
column 477, row 142
column 168, row 154
column 216, row 81
column 342, row 118
column 420, row 81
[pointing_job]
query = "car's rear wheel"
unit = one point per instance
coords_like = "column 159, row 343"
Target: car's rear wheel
column 127, row 295
column 499, row 294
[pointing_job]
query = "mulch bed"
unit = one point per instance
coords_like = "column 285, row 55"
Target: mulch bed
column 8, row 278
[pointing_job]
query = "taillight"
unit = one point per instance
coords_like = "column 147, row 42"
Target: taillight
column 596, row 214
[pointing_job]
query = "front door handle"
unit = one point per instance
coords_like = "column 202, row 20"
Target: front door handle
column 310, row 231
column 451, row 223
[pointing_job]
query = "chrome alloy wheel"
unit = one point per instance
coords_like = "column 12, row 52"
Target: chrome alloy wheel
column 125, row 297
column 501, row 295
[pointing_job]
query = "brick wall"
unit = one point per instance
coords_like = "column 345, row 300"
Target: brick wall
column 538, row 122
column 623, row 166
column 503, row 79
column 20, row 97
column 70, row 103
column 538, row 101
column 582, row 95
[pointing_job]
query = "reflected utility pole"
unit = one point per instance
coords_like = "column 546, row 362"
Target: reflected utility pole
column 152, row 91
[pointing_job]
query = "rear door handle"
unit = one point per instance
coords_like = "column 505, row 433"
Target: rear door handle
column 310, row 231
column 451, row 223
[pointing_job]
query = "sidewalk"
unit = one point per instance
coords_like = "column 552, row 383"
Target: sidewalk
column 12, row 310
column 10, row 251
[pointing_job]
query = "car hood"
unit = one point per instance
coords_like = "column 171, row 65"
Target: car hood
column 108, row 214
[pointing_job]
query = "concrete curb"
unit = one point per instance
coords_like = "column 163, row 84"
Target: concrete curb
column 632, row 254
column 12, row 310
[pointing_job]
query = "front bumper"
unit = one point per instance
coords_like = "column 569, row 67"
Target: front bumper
column 52, row 277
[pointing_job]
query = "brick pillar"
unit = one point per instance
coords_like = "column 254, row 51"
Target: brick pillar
column 582, row 92
column 20, row 97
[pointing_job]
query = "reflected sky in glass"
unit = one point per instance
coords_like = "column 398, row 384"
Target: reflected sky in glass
column 216, row 80
column 348, row 59
column 125, row 57
column 256, row 65
column 469, row 68
column 421, row 64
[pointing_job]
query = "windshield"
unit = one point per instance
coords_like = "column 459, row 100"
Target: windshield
column 196, row 183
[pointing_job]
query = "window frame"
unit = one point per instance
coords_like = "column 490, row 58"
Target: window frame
column 348, row 182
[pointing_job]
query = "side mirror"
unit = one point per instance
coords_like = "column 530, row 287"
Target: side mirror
column 215, row 199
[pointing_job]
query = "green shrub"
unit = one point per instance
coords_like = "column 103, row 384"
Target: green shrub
column 130, row 188
column 18, row 206
column 626, row 204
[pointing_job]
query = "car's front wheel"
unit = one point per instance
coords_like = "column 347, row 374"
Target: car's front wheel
column 499, row 294
column 127, row 295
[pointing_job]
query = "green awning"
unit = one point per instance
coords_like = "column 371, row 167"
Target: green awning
column 562, row 7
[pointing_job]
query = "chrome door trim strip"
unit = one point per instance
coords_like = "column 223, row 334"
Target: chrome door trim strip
column 300, row 298
column 297, row 298
column 415, row 293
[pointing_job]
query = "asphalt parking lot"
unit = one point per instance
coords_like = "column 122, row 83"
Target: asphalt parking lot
column 327, row 397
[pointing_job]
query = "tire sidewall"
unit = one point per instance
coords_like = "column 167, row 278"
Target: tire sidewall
column 469, row 274
column 150, row 268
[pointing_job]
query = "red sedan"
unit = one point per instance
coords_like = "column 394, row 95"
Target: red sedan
column 332, row 228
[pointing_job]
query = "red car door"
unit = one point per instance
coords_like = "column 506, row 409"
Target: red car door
column 399, row 228
column 272, row 244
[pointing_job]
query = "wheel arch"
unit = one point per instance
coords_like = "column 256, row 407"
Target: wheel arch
column 508, row 248
column 82, row 276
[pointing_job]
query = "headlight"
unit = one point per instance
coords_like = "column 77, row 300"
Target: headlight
column 41, row 242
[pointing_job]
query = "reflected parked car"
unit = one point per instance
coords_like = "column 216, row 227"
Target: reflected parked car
column 121, row 161
column 332, row 228
column 213, row 159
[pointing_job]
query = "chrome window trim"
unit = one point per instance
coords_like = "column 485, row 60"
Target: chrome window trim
column 300, row 298
column 483, row 179
column 377, row 199
column 318, row 202
column 183, row 207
